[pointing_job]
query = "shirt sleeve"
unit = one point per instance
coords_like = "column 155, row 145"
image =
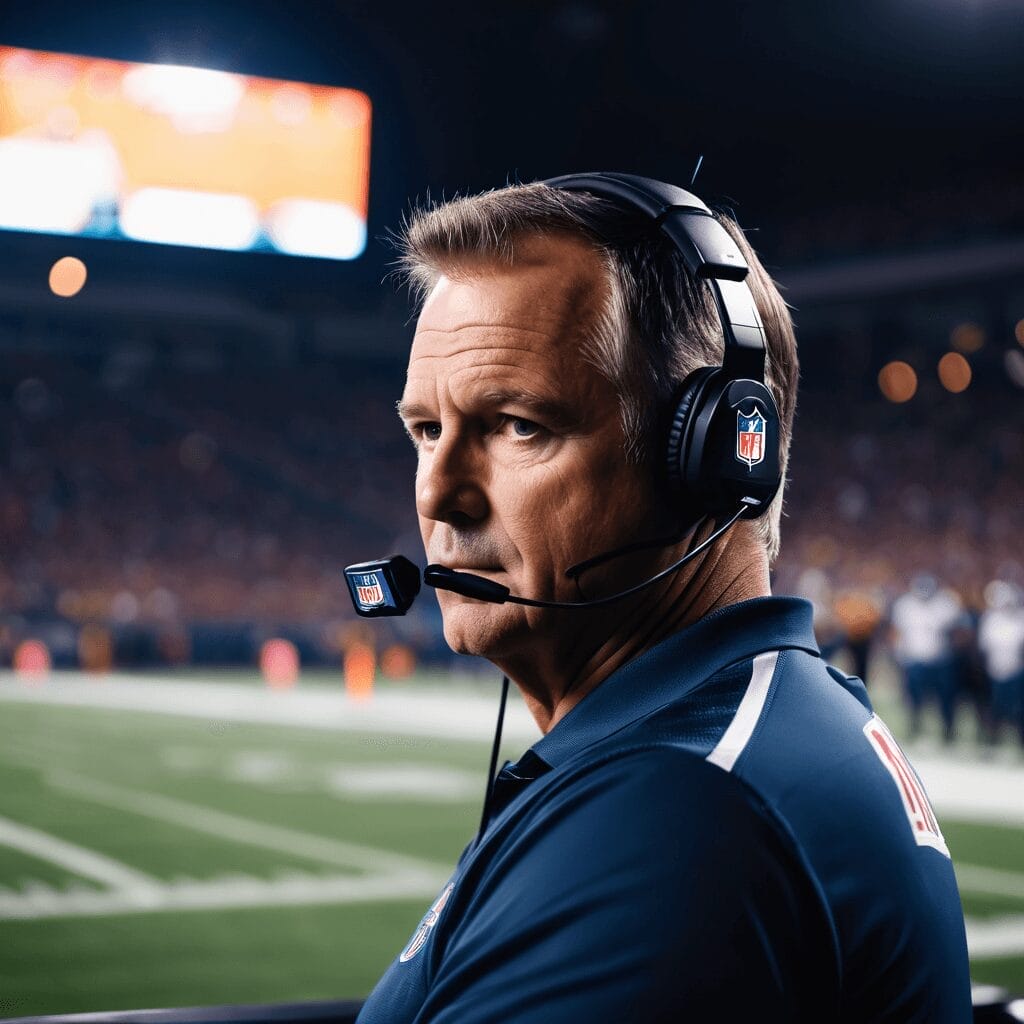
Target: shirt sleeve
column 651, row 888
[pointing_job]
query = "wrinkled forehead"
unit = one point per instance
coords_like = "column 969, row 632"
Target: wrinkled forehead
column 543, row 303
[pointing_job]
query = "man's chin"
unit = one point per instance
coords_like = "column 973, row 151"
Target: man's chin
column 482, row 630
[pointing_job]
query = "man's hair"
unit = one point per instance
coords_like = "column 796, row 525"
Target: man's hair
column 656, row 325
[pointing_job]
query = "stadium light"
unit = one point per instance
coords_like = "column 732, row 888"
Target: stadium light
column 195, row 99
column 897, row 381
column 954, row 372
column 967, row 337
column 67, row 276
column 1014, row 362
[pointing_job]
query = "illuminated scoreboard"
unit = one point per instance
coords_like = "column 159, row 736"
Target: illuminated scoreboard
column 181, row 156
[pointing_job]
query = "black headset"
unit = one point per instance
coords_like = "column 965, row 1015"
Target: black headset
column 722, row 449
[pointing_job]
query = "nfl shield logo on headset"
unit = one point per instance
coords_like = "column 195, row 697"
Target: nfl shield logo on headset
column 750, row 437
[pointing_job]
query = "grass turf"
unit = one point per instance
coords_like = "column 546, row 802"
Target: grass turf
column 279, row 776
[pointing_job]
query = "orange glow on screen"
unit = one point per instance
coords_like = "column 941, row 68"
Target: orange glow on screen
column 182, row 155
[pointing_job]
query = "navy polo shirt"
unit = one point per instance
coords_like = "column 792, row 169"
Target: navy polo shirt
column 722, row 830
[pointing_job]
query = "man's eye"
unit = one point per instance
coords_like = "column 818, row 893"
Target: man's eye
column 426, row 431
column 524, row 428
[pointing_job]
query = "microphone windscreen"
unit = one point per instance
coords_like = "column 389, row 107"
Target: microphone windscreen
column 387, row 586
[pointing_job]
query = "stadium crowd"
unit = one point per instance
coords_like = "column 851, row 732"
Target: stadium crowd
column 161, row 507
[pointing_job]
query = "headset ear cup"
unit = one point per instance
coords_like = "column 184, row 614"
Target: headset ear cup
column 691, row 392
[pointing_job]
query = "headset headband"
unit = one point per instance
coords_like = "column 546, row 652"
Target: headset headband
column 707, row 248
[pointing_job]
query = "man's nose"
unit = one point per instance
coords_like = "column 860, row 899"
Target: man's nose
column 450, row 483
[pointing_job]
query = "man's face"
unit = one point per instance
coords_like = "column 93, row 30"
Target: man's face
column 521, row 471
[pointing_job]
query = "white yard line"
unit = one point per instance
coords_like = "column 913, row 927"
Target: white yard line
column 394, row 877
column 959, row 787
column 76, row 859
column 228, row 892
column 972, row 790
column 419, row 711
column 388, row 876
column 231, row 827
column 990, row 881
column 995, row 937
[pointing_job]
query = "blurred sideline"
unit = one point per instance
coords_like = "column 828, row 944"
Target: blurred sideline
column 963, row 783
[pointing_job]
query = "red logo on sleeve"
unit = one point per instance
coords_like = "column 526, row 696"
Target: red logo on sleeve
column 915, row 801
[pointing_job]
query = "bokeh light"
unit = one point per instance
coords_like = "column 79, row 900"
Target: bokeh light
column 1014, row 362
column 398, row 662
column 967, row 337
column 32, row 661
column 1018, row 332
column 897, row 381
column 954, row 372
column 95, row 648
column 360, row 668
column 279, row 663
column 67, row 276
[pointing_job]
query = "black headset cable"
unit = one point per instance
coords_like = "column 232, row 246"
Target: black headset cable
column 494, row 760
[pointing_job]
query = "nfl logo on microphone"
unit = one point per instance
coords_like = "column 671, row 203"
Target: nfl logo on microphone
column 386, row 586
column 750, row 437
column 368, row 590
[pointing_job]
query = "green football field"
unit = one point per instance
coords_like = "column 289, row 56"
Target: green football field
column 180, row 852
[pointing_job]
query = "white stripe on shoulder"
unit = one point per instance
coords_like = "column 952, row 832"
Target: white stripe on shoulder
column 741, row 728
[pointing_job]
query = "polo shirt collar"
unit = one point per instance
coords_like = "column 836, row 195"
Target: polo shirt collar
column 670, row 670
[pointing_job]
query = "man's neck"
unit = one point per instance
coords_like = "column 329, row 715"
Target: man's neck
column 554, row 677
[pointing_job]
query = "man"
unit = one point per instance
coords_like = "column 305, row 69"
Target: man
column 1001, row 640
column 859, row 612
column 923, row 620
column 713, row 826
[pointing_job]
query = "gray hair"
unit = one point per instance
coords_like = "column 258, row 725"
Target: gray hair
column 656, row 325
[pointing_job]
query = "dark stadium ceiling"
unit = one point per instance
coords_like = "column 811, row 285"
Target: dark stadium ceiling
column 795, row 107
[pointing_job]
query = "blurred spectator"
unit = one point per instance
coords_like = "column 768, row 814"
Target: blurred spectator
column 859, row 613
column 922, row 623
column 813, row 585
column 972, row 681
column 1001, row 640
